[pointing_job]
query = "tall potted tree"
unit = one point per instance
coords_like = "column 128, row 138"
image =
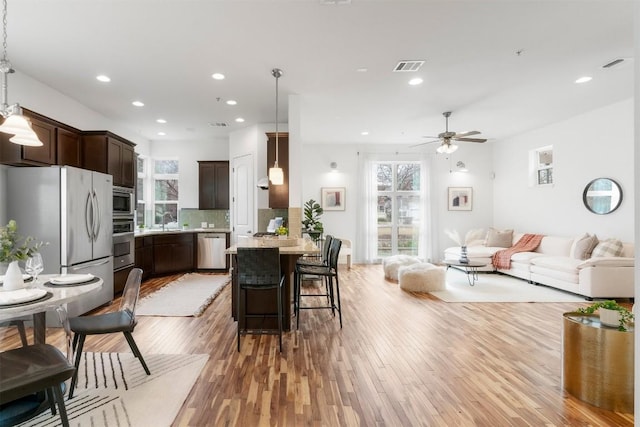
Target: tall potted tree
column 311, row 221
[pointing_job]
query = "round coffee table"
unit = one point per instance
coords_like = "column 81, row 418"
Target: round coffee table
column 470, row 267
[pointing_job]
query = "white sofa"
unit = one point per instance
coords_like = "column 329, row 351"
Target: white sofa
column 551, row 264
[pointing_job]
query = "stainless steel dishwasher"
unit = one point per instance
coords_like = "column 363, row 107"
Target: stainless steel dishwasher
column 211, row 247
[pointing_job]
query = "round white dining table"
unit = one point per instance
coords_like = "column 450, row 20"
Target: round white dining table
column 59, row 295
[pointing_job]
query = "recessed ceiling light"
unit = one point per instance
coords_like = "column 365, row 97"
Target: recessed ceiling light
column 362, row 70
column 161, row 133
column 102, row 78
column 218, row 76
column 232, row 102
column 364, row 133
column 583, row 79
column 161, row 121
column 415, row 81
column 138, row 103
column 239, row 120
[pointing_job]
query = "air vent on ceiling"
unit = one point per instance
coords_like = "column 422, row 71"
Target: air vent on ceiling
column 613, row 63
column 335, row 1
column 407, row 66
column 218, row 124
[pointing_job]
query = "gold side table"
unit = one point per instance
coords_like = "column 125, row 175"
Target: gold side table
column 597, row 362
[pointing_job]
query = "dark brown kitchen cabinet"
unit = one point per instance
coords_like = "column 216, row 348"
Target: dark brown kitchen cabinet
column 21, row 155
column 105, row 152
column 68, row 148
column 144, row 255
column 278, row 194
column 213, row 184
column 173, row 253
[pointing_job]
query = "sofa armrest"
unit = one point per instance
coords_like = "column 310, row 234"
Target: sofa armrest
column 607, row 262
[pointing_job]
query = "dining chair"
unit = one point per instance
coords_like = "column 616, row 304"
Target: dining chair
column 330, row 273
column 258, row 270
column 123, row 320
column 30, row 370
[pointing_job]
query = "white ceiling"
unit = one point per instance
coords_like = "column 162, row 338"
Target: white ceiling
column 163, row 52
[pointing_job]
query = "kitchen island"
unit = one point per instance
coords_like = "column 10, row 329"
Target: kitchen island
column 266, row 301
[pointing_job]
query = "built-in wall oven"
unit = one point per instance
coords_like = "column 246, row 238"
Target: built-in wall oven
column 123, row 243
column 124, row 205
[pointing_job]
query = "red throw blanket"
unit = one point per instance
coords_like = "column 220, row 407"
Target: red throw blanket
column 527, row 243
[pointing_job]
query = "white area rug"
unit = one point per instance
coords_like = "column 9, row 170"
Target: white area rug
column 117, row 392
column 190, row 295
column 498, row 288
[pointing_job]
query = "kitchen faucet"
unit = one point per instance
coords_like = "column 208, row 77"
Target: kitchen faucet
column 164, row 215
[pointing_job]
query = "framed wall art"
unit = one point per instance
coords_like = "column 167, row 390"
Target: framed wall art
column 333, row 198
column 460, row 198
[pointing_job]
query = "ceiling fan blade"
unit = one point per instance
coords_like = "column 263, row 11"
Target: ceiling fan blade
column 471, row 139
column 433, row 137
column 424, row 143
column 468, row 133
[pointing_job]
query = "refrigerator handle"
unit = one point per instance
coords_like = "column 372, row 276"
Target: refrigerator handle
column 85, row 266
column 88, row 216
column 98, row 215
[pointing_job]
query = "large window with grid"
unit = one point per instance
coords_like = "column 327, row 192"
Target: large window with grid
column 165, row 191
column 399, row 207
column 140, row 191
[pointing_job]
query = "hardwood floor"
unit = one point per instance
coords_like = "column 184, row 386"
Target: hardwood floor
column 400, row 360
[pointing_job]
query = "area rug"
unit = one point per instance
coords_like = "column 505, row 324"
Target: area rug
column 113, row 390
column 498, row 288
column 189, row 295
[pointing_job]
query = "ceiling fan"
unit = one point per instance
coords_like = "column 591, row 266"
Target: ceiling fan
column 446, row 137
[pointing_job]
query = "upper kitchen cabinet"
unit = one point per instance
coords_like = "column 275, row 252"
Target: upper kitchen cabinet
column 68, row 148
column 105, row 152
column 213, row 185
column 279, row 194
column 20, row 155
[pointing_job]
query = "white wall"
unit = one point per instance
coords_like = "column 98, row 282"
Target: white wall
column 188, row 153
column 596, row 144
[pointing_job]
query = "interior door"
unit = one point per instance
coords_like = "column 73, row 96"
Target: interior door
column 243, row 197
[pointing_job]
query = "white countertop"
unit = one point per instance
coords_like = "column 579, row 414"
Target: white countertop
column 150, row 232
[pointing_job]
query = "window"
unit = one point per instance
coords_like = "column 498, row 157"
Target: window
column 165, row 185
column 399, row 207
column 543, row 165
column 140, row 187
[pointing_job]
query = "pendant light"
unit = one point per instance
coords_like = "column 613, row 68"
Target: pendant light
column 276, row 175
column 15, row 123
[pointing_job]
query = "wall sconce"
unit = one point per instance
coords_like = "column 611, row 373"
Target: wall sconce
column 461, row 166
column 334, row 167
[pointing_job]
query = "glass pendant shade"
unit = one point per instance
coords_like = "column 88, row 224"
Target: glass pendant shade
column 16, row 124
column 446, row 148
column 27, row 138
column 276, row 175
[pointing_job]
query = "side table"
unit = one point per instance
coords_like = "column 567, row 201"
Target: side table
column 597, row 362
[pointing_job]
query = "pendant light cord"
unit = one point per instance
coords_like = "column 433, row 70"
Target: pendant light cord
column 277, row 73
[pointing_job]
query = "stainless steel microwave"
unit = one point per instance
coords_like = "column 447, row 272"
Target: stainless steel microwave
column 124, row 204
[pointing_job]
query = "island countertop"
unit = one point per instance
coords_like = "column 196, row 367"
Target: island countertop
column 151, row 232
column 301, row 246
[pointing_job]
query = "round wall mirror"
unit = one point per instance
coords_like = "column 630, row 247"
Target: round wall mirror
column 602, row 196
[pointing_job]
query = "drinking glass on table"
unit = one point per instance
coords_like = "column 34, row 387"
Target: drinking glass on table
column 34, row 266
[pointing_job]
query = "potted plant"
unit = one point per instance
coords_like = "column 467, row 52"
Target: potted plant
column 312, row 213
column 15, row 248
column 611, row 313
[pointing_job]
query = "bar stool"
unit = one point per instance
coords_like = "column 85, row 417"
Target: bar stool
column 259, row 270
column 329, row 272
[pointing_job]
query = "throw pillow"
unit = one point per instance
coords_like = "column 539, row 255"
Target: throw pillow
column 609, row 247
column 499, row 238
column 583, row 246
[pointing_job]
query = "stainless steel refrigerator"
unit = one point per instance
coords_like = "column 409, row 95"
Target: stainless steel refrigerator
column 72, row 210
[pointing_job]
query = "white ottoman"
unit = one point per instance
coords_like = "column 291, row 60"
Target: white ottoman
column 423, row 277
column 393, row 263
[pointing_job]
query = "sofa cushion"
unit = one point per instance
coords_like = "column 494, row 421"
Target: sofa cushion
column 608, row 248
column 583, row 246
column 559, row 263
column 499, row 238
column 524, row 257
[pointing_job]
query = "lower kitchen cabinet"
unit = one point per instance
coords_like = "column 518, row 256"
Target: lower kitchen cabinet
column 173, row 253
column 144, row 255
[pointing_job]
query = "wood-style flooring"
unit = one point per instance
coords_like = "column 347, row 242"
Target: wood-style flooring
column 401, row 359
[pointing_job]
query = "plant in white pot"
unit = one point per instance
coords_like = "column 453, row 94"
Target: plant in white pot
column 15, row 248
column 312, row 213
column 611, row 314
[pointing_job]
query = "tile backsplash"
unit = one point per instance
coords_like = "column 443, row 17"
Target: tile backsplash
column 194, row 217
